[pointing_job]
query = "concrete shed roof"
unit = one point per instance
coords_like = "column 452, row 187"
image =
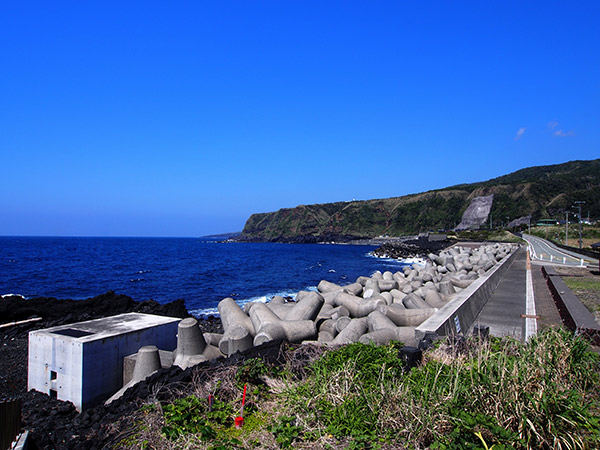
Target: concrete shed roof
column 106, row 327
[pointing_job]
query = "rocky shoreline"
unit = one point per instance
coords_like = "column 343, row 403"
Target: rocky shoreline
column 53, row 423
column 57, row 424
column 303, row 239
column 410, row 248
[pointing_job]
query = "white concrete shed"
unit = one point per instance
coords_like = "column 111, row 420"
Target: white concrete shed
column 83, row 362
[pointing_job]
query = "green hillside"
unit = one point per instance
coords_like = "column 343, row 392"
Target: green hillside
column 543, row 191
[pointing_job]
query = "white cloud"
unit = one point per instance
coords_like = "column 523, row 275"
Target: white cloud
column 520, row 133
column 562, row 133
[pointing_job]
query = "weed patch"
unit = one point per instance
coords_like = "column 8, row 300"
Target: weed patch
column 485, row 394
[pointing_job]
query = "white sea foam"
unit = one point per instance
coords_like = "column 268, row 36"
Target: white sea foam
column 13, row 295
column 417, row 261
column 396, row 261
column 204, row 312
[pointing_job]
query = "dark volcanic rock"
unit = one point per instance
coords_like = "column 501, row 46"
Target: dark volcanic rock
column 416, row 248
column 16, row 308
column 302, row 239
column 55, row 424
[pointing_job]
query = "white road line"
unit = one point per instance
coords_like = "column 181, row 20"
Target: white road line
column 530, row 320
column 531, row 250
column 552, row 250
column 559, row 251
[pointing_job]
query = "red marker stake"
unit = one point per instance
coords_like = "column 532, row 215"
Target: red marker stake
column 239, row 421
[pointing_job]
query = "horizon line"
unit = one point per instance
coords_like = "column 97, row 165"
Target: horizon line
column 112, row 236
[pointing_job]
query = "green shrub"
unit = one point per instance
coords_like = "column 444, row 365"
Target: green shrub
column 469, row 430
column 497, row 394
column 186, row 416
column 191, row 415
column 253, row 370
column 285, row 431
column 368, row 361
column 342, row 392
column 535, row 395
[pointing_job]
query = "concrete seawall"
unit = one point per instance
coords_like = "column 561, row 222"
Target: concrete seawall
column 572, row 312
column 458, row 315
column 443, row 295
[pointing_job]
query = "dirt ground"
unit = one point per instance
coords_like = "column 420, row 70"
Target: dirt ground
column 585, row 284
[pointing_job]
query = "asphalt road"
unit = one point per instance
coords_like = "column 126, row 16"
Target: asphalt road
column 542, row 250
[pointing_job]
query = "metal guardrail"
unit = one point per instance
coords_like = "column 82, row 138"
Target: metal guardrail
column 554, row 255
column 10, row 422
column 552, row 259
column 585, row 252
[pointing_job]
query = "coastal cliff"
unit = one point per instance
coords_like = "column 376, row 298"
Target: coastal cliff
column 542, row 191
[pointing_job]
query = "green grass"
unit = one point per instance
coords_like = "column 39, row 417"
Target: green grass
column 587, row 284
column 590, row 234
column 486, row 235
column 342, row 394
column 587, row 289
column 498, row 394
column 539, row 395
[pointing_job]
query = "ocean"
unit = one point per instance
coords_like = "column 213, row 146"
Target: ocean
column 200, row 271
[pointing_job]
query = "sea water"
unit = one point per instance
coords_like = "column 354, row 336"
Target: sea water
column 200, row 271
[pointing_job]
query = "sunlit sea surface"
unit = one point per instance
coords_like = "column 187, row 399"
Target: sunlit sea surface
column 200, row 271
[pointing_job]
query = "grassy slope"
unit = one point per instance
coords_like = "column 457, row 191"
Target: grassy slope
column 590, row 234
column 543, row 191
column 585, row 284
column 473, row 395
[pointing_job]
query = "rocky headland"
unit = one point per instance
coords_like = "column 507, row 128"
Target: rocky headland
column 543, row 191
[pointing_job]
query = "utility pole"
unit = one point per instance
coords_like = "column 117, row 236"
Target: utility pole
column 579, row 203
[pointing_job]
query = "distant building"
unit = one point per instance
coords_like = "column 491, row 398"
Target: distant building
column 434, row 237
column 547, row 222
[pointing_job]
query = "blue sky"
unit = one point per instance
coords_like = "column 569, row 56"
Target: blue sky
column 183, row 118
